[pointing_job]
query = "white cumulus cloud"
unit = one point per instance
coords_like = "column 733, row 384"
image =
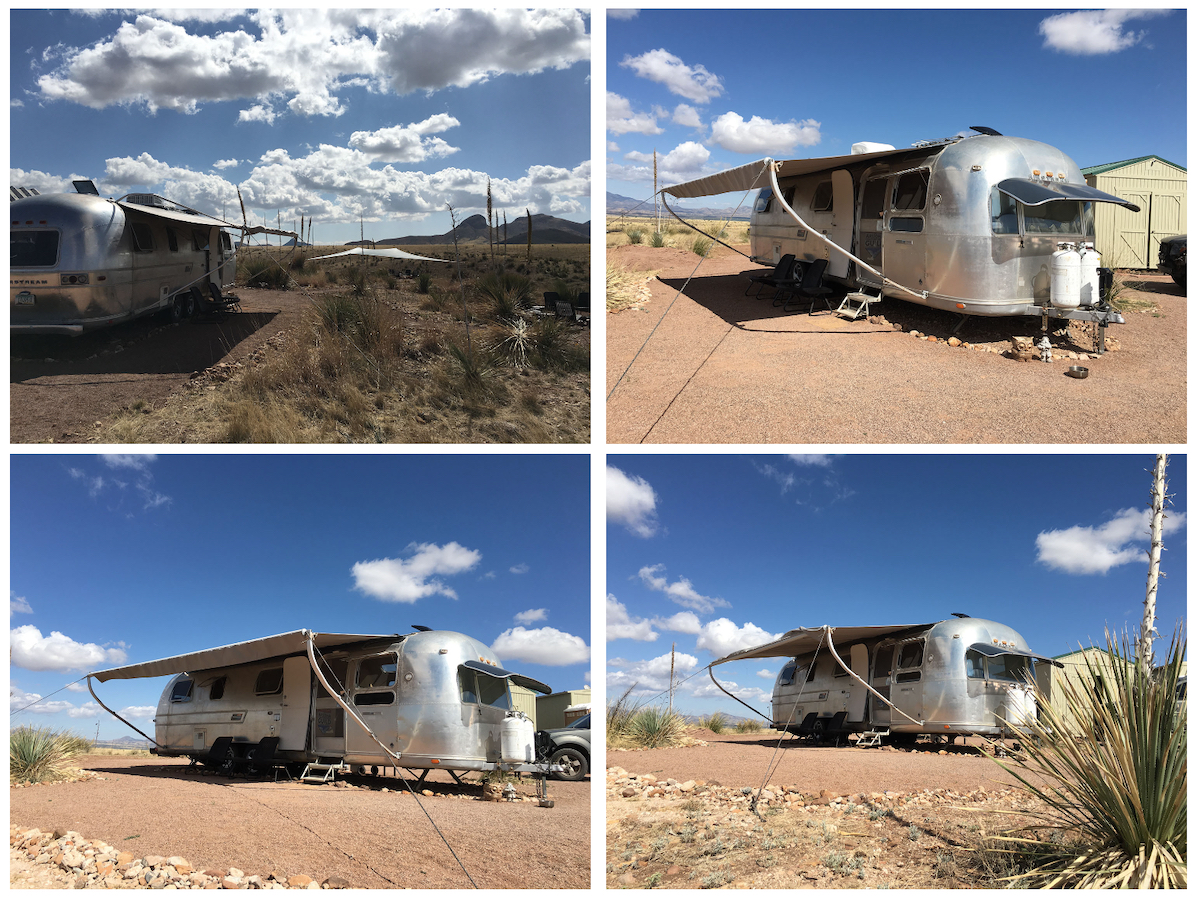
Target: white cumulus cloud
column 544, row 646
column 530, row 616
column 1094, row 550
column 650, row 675
column 1093, row 32
column 408, row 580
column 18, row 604
column 682, row 622
column 693, row 83
column 731, row 132
column 620, row 625
column 55, row 652
column 721, row 637
column 680, row 591
column 620, row 117
column 631, row 501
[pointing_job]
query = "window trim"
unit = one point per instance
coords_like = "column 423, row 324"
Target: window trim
column 258, row 679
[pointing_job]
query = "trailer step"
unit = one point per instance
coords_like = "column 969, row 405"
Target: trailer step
column 857, row 303
column 872, row 738
column 323, row 771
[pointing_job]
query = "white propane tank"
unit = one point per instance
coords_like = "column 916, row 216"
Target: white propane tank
column 516, row 739
column 1089, row 276
column 1064, row 277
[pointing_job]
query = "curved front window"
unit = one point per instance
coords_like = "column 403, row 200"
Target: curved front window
column 1061, row 217
column 32, row 249
column 1005, row 667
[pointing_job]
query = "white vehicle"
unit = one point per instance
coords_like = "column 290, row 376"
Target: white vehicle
column 962, row 676
column 320, row 704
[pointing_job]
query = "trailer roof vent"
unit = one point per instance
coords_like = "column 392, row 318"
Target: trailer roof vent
column 20, row 193
column 86, row 186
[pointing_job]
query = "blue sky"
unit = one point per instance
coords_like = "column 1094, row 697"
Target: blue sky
column 713, row 89
column 720, row 552
column 322, row 113
column 130, row 558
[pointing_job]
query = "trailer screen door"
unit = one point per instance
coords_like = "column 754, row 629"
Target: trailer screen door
column 294, row 704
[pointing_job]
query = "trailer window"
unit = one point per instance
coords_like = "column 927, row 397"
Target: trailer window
column 911, row 190
column 975, row 665
column 182, row 691
column 1008, row 668
column 822, row 200
column 269, row 681
column 788, row 675
column 199, row 240
column 1004, row 214
column 466, row 686
column 217, row 691
column 143, row 237
column 32, row 249
column 172, row 241
column 763, row 203
column 910, row 655
column 906, row 223
column 226, row 244
column 377, row 671
column 493, row 691
column 375, row 698
column 1055, row 217
column 334, row 671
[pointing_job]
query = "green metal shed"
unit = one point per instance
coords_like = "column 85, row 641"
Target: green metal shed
column 1129, row 240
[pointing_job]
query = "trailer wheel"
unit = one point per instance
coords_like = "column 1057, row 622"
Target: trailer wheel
column 182, row 306
column 818, row 731
column 574, row 763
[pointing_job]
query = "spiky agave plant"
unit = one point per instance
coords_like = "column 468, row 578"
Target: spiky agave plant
column 656, row 726
column 1111, row 769
column 40, row 754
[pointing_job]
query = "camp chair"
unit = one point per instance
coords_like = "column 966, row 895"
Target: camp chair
column 223, row 301
column 781, row 274
column 549, row 305
column 261, row 756
column 583, row 308
column 809, row 288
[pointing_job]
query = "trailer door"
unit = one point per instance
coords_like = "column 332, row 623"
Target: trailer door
column 294, row 705
column 870, row 228
column 857, row 711
column 374, row 696
column 841, row 230
column 881, row 680
column 908, row 691
column 329, row 719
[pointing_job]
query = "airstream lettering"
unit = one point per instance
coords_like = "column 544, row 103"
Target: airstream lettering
column 327, row 702
column 968, row 224
column 962, row 676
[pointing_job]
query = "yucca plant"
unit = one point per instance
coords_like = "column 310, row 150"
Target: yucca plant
column 715, row 723
column 40, row 754
column 748, row 726
column 700, row 246
column 1111, row 769
column 657, row 239
column 617, row 715
column 507, row 292
column 517, row 342
column 635, row 235
column 656, row 726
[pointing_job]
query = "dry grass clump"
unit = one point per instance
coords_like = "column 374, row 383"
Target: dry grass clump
column 42, row 754
column 624, row 289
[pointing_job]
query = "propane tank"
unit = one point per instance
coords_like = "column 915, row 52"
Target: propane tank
column 516, row 738
column 1089, row 276
column 1064, row 277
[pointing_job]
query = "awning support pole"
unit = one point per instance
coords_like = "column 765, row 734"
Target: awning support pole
column 126, row 721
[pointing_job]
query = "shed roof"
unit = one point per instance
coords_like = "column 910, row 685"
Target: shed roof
column 1109, row 167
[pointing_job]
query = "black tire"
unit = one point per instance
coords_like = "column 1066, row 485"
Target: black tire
column 182, row 306
column 574, row 763
column 818, row 731
column 1179, row 276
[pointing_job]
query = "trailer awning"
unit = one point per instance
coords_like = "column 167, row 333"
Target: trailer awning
column 756, row 174
column 171, row 215
column 1035, row 193
column 993, row 650
column 496, row 672
column 806, row 640
column 289, row 644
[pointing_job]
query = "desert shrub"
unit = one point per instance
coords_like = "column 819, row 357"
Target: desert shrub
column 298, row 262
column 552, row 349
column 656, row 726
column 517, row 342
column 507, row 292
column 700, row 246
column 263, row 272
column 473, row 366
column 619, row 713
column 423, row 281
column 657, row 239
column 748, row 726
column 635, row 235
column 1111, row 769
column 715, row 723
column 41, row 754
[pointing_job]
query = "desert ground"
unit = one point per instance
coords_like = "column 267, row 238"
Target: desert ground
column 366, row 832
column 827, row 817
column 697, row 362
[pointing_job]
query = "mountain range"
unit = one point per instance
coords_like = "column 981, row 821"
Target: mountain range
column 474, row 230
column 616, row 205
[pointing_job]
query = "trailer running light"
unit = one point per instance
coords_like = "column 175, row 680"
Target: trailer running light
column 74, row 279
column 960, row 306
column 436, row 761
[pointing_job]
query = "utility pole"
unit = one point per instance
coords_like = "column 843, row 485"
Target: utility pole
column 671, row 687
column 1158, row 493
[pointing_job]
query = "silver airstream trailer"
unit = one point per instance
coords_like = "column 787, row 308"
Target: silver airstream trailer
column 967, row 224
column 962, row 676
column 320, row 704
column 81, row 261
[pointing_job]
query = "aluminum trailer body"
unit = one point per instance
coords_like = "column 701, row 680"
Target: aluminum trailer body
column 431, row 700
column 961, row 676
column 967, row 225
column 80, row 261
